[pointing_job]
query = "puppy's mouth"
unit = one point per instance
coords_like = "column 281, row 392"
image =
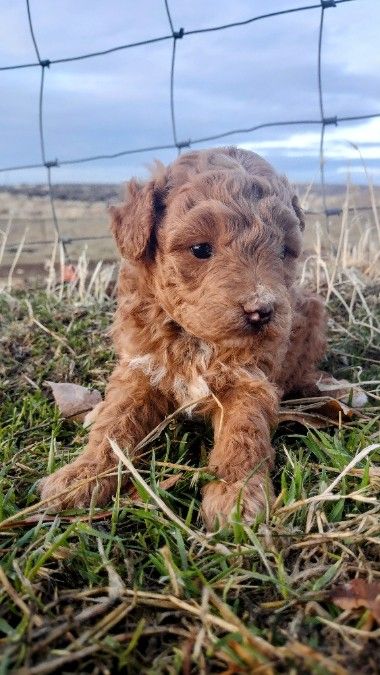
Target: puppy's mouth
column 257, row 323
column 257, row 329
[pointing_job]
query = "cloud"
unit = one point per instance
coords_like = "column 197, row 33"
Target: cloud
column 339, row 143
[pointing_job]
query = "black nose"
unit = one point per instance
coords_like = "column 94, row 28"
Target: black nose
column 260, row 314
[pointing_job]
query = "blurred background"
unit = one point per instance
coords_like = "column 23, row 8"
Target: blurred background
column 297, row 82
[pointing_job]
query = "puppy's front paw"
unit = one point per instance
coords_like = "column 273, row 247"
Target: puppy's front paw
column 221, row 499
column 73, row 485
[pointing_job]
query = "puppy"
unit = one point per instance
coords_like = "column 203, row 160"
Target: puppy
column 209, row 314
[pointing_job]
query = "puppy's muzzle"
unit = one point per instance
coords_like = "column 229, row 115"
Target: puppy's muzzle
column 259, row 314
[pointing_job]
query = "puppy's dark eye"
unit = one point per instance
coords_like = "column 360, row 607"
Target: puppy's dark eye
column 285, row 251
column 202, row 251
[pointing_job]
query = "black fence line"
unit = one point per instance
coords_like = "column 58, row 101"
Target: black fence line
column 174, row 36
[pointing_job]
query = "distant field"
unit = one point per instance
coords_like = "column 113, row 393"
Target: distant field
column 82, row 212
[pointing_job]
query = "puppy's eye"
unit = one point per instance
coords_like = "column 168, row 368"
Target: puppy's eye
column 202, row 251
column 285, row 252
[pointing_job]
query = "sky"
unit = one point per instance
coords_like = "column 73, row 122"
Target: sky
column 260, row 73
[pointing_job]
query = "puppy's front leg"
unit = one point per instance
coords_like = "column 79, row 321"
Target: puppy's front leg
column 130, row 410
column 242, row 455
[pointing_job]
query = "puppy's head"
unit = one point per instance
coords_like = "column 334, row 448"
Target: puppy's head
column 218, row 240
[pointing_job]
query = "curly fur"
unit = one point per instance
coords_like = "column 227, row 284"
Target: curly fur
column 181, row 330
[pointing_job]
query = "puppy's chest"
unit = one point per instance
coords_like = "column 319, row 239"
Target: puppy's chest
column 181, row 375
column 188, row 390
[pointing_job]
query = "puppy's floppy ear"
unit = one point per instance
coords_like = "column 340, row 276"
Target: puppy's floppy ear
column 299, row 212
column 134, row 222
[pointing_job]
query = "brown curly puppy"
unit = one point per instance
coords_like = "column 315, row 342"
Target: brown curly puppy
column 208, row 308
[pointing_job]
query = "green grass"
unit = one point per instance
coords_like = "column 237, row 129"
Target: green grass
column 127, row 587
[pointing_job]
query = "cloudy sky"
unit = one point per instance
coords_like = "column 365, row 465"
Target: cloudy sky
column 263, row 72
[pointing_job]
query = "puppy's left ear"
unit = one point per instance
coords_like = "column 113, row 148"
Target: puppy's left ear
column 134, row 222
column 299, row 212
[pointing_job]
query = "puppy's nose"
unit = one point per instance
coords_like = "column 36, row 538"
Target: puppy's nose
column 260, row 314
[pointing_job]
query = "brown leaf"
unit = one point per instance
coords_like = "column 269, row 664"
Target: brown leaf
column 319, row 414
column 358, row 593
column 333, row 409
column 74, row 401
column 314, row 420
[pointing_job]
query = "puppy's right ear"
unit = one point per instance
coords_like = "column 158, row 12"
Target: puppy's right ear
column 134, row 222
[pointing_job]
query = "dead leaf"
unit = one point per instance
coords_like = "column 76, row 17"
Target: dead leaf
column 358, row 593
column 335, row 410
column 72, row 400
column 343, row 390
column 323, row 412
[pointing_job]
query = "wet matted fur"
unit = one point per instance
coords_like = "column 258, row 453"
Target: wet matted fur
column 208, row 307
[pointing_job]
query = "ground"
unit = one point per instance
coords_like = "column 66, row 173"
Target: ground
column 138, row 585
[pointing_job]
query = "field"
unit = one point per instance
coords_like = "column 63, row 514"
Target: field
column 138, row 585
column 82, row 212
